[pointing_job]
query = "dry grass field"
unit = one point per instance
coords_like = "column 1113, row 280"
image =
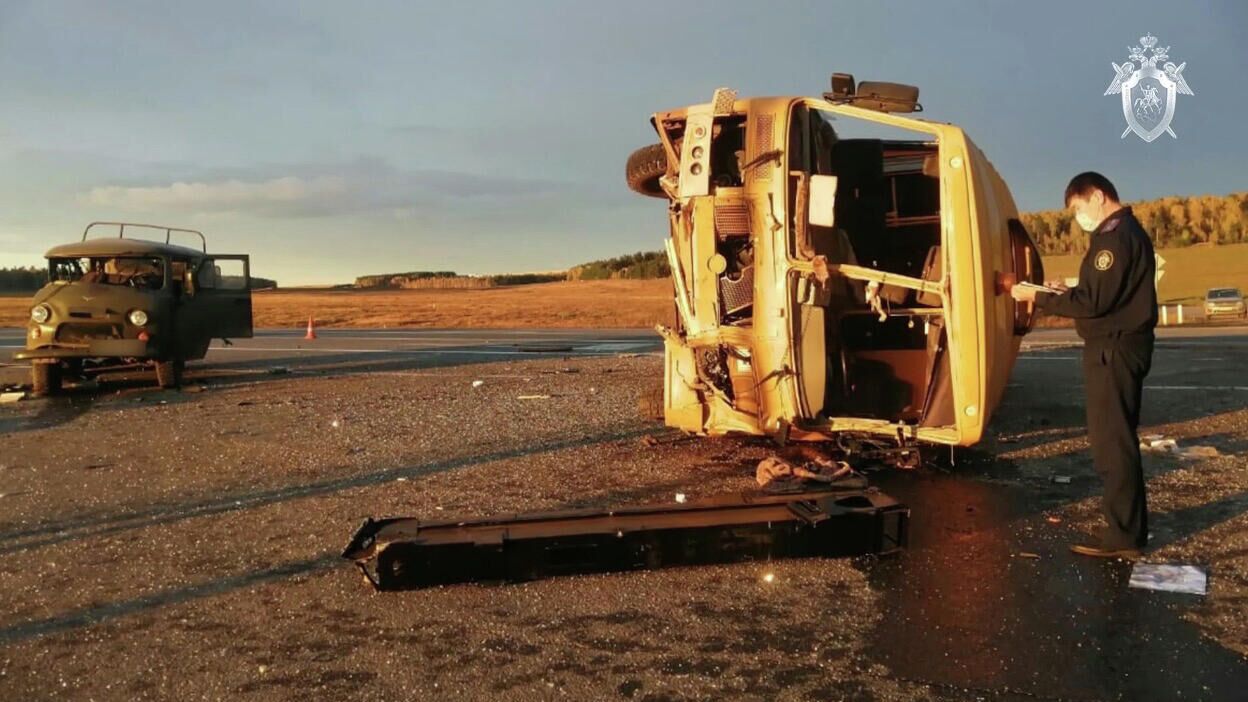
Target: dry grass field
column 1189, row 271
column 609, row 303
column 587, row 304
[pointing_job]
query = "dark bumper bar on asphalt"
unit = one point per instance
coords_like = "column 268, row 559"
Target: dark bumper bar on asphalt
column 411, row 553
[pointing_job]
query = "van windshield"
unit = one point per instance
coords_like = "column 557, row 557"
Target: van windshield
column 146, row 273
column 1224, row 294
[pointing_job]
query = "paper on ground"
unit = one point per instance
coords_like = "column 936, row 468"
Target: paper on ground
column 1169, row 578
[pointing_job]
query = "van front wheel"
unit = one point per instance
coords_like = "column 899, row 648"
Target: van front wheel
column 45, row 379
column 169, row 373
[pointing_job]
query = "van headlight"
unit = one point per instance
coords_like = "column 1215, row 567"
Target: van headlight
column 137, row 317
column 40, row 314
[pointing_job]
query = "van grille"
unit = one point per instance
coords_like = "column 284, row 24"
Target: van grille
column 84, row 332
column 737, row 294
column 761, row 143
column 732, row 220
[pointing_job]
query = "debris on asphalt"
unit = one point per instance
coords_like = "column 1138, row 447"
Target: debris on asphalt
column 478, row 383
column 8, row 397
column 533, row 397
column 1156, row 443
column 1199, row 452
column 681, row 497
column 1054, row 520
column 403, row 553
column 1187, row 579
column 775, row 472
column 651, row 441
column 279, row 370
column 335, row 424
column 1061, row 479
column 1029, row 555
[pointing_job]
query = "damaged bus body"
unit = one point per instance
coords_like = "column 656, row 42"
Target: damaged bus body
column 830, row 286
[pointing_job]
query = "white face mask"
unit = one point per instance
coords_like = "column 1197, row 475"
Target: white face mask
column 1086, row 223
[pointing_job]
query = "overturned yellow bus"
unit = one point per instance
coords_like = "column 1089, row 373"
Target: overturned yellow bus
column 838, row 269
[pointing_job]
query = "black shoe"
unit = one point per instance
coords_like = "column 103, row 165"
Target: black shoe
column 1127, row 554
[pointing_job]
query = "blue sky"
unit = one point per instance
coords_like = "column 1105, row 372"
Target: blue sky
column 332, row 139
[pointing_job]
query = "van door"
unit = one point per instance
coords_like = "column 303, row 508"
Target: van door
column 223, row 296
column 1028, row 267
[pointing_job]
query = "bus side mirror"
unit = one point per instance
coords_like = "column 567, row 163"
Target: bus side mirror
column 822, row 200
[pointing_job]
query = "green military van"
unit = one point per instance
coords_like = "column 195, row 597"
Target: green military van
column 118, row 300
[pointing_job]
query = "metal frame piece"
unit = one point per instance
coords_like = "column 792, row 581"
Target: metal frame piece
column 407, row 553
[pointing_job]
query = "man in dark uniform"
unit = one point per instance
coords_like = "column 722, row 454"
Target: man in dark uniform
column 1115, row 311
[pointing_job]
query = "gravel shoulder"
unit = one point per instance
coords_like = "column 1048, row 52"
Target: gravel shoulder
column 184, row 545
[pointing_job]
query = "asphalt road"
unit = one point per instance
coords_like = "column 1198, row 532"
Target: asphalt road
column 362, row 350
column 989, row 599
column 439, row 347
column 223, row 581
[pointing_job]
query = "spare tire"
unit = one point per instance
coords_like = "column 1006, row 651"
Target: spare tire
column 644, row 169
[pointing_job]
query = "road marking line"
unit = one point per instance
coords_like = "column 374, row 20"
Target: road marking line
column 1240, row 388
column 464, row 352
column 1178, row 388
column 619, row 346
column 482, row 338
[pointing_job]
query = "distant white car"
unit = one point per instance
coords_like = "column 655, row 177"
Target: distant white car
column 1225, row 302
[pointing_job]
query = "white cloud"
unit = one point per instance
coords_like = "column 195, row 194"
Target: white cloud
column 228, row 195
column 314, row 190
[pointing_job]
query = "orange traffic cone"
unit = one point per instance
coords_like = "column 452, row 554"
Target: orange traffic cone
column 311, row 330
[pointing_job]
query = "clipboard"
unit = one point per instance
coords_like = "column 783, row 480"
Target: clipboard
column 1039, row 288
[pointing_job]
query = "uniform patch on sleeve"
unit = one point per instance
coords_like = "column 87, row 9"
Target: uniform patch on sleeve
column 1104, row 260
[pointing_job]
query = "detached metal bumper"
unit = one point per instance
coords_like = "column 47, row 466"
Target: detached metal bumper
column 410, row 553
column 96, row 348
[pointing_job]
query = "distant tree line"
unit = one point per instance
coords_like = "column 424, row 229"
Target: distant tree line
column 452, row 280
column 526, row 278
column 643, row 264
column 1173, row 222
column 397, row 280
column 26, row 279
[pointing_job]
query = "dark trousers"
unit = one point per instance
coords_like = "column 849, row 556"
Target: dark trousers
column 1114, row 370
